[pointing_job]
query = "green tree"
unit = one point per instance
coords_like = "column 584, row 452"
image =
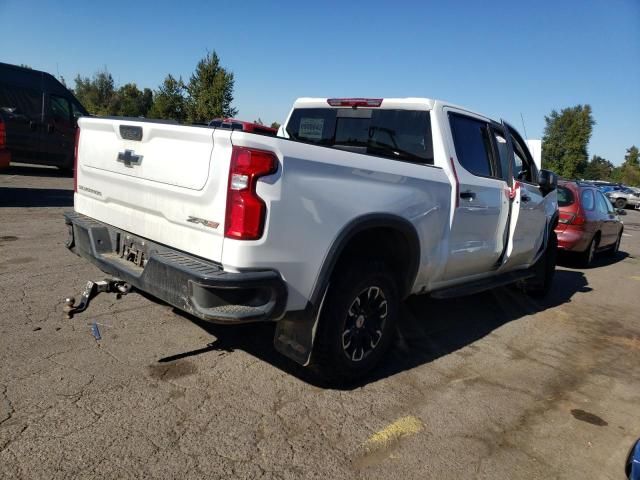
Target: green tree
column 132, row 102
column 565, row 140
column 632, row 157
column 629, row 172
column 210, row 91
column 169, row 100
column 598, row 169
column 97, row 94
column 275, row 125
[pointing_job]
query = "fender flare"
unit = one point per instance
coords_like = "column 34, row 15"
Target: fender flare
column 295, row 333
column 356, row 226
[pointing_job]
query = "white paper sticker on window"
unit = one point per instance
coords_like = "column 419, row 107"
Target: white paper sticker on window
column 311, row 128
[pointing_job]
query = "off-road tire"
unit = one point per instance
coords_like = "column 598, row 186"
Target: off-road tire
column 340, row 311
column 544, row 270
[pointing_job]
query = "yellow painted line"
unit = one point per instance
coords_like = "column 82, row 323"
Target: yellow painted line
column 402, row 427
column 635, row 277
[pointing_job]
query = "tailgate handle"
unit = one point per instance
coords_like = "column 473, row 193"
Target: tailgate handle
column 131, row 132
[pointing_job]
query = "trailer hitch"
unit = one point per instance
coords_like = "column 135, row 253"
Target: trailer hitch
column 92, row 289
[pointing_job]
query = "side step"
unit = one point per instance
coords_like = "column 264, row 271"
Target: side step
column 482, row 285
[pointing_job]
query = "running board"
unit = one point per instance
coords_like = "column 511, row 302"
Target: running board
column 482, row 285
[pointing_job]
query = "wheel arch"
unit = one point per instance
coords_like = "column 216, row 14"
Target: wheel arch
column 369, row 224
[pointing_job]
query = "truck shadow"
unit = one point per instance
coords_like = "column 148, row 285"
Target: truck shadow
column 428, row 329
column 35, row 197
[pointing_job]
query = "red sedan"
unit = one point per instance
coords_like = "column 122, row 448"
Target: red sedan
column 588, row 222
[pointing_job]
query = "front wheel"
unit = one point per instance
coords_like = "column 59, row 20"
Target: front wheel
column 544, row 270
column 613, row 251
column 357, row 323
column 621, row 203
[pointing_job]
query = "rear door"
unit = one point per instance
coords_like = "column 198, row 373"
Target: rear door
column 22, row 111
column 161, row 181
column 477, row 235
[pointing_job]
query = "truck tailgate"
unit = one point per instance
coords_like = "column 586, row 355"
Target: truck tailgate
column 160, row 181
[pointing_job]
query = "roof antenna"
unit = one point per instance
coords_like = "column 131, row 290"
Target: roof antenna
column 526, row 137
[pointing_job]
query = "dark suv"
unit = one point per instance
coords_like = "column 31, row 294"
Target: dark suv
column 38, row 118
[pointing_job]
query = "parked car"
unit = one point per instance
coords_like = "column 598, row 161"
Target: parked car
column 624, row 197
column 38, row 118
column 588, row 223
column 325, row 231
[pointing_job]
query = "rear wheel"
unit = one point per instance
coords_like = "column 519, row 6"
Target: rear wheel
column 586, row 257
column 357, row 322
column 544, row 269
column 620, row 203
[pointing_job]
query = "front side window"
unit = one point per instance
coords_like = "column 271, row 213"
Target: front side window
column 604, row 205
column 523, row 168
column 60, row 109
column 396, row 134
column 472, row 144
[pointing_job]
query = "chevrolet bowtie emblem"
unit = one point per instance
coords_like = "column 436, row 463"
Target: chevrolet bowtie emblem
column 129, row 158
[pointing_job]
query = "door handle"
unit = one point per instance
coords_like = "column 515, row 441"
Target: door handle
column 468, row 195
column 525, row 198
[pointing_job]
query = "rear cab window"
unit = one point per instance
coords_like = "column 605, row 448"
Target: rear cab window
column 396, row 134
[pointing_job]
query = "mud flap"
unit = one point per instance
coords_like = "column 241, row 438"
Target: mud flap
column 296, row 332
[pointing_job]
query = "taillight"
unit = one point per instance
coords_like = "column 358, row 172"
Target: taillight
column 3, row 135
column 579, row 220
column 245, row 209
column 75, row 161
column 571, row 219
column 355, row 102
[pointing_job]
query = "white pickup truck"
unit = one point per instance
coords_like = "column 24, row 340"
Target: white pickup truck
column 325, row 228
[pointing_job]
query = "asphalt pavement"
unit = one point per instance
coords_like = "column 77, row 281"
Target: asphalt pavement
column 495, row 386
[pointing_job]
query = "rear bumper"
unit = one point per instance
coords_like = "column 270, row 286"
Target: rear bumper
column 573, row 240
column 199, row 287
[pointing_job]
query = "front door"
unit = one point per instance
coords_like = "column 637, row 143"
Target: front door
column 60, row 128
column 528, row 218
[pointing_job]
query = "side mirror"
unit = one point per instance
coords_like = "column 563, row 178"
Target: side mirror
column 548, row 181
column 621, row 211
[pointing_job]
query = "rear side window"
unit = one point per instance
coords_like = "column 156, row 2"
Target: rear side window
column 472, row 143
column 396, row 134
column 565, row 197
column 588, row 200
column 20, row 101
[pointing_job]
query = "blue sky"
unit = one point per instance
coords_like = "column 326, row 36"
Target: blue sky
column 500, row 58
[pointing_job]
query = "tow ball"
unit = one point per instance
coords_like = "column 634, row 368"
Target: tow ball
column 92, row 289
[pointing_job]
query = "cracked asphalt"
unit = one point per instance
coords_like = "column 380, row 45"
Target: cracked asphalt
column 495, row 386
